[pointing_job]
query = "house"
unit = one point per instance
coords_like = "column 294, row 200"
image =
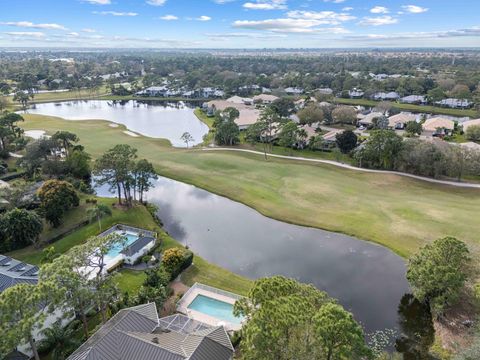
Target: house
column 455, row 103
column 137, row 333
column 468, row 123
column 247, row 117
column 438, row 126
column 330, row 138
column 159, row 91
column 13, row 272
column 264, row 99
column 209, row 92
column 383, row 96
column 414, row 99
column 248, row 114
column 235, row 99
column 325, row 91
column 294, row 91
column 399, row 121
column 355, row 93
column 367, row 120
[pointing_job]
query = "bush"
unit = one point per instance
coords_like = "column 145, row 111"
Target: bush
column 56, row 198
column 157, row 277
column 175, row 260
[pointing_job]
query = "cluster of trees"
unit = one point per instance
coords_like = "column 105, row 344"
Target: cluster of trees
column 128, row 177
column 56, row 198
column 290, row 320
column 58, row 157
column 19, row 228
column 387, row 150
column 226, row 130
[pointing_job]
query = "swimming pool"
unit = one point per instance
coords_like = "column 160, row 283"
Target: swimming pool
column 116, row 249
column 214, row 308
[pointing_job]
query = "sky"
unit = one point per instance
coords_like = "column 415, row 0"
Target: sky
column 239, row 23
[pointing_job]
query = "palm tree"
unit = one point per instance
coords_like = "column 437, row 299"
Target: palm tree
column 60, row 340
column 97, row 212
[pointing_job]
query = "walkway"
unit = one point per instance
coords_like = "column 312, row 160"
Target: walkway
column 354, row 168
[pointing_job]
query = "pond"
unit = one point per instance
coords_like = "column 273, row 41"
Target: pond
column 367, row 279
column 158, row 120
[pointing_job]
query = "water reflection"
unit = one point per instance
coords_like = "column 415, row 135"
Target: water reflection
column 167, row 120
column 369, row 280
column 417, row 331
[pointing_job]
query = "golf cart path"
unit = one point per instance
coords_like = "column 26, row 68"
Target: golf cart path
column 354, row 168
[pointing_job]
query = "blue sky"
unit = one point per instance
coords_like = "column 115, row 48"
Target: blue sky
column 240, row 23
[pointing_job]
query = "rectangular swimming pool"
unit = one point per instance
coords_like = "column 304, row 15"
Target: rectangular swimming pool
column 116, row 249
column 214, row 308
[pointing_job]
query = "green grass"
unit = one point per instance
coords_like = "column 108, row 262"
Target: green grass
column 395, row 211
column 204, row 118
column 410, row 107
column 66, row 95
column 130, row 280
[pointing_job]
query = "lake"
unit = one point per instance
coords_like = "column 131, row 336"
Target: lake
column 157, row 120
column 367, row 279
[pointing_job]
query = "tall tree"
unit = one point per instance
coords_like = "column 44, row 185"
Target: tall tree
column 288, row 135
column 144, row 174
column 289, row 320
column 23, row 309
column 346, row 141
column 56, row 198
column 23, row 97
column 97, row 212
column 438, row 273
column 187, row 138
column 338, row 334
column 60, row 339
column 20, row 228
column 66, row 139
column 115, row 169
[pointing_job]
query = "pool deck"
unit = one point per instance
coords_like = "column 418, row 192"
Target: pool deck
column 211, row 292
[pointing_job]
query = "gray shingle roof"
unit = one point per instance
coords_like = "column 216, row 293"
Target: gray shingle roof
column 138, row 334
column 14, row 272
column 138, row 245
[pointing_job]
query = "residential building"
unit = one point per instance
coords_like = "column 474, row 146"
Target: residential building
column 137, row 333
column 264, row 98
column 367, row 120
column 356, row 93
column 158, row 91
column 468, row 123
column 294, row 91
column 384, row 96
column 325, row 91
column 414, row 99
column 455, row 103
column 438, row 126
column 13, row 272
column 399, row 121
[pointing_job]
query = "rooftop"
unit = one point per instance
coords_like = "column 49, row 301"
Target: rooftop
column 138, row 334
column 13, row 272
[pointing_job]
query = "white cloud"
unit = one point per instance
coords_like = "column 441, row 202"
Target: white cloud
column 168, row 17
column 379, row 10
column 88, row 30
column 34, row 34
column 156, row 2
column 203, row 18
column 378, row 21
column 221, row 2
column 334, row 1
column 73, row 33
column 414, row 9
column 99, row 2
column 288, row 26
column 347, row 8
column 266, row 5
column 115, row 13
column 325, row 17
column 469, row 32
column 29, row 24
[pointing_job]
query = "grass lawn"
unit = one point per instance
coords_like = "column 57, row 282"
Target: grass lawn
column 410, row 107
column 203, row 117
column 67, row 95
column 130, row 280
column 395, row 211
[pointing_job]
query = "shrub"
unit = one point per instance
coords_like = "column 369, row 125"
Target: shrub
column 56, row 198
column 175, row 260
